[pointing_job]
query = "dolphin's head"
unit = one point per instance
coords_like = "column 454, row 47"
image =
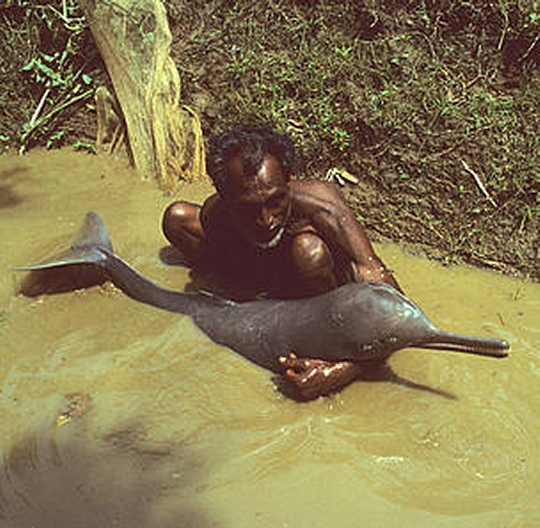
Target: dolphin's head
column 374, row 320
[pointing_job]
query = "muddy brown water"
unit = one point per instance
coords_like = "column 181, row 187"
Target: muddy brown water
column 166, row 429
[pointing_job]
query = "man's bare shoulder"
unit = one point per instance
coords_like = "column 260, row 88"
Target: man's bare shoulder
column 316, row 195
column 318, row 188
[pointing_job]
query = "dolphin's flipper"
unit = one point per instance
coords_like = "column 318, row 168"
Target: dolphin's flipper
column 92, row 235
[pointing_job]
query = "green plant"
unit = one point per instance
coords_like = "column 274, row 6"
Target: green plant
column 85, row 146
column 55, row 70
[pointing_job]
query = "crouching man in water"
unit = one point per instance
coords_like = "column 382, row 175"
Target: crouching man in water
column 265, row 234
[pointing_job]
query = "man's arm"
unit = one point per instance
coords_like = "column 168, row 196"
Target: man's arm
column 329, row 214
column 324, row 207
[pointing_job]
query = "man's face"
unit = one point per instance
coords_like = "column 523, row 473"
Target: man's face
column 259, row 204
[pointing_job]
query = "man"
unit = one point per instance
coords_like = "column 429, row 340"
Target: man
column 264, row 234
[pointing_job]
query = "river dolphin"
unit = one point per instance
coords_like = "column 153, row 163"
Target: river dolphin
column 358, row 321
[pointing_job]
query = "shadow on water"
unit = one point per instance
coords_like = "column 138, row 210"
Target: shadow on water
column 8, row 179
column 387, row 374
column 60, row 280
column 171, row 256
column 8, row 197
column 374, row 372
column 65, row 476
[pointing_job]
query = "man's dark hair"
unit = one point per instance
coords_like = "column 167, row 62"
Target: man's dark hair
column 251, row 144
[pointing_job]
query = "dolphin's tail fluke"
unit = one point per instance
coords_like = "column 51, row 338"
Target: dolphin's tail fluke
column 85, row 249
column 91, row 260
column 482, row 346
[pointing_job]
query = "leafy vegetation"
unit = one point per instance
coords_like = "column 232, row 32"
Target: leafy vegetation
column 402, row 94
column 49, row 58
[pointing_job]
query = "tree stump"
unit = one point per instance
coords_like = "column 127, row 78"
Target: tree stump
column 164, row 138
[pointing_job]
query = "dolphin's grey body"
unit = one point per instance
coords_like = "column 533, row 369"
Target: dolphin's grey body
column 357, row 321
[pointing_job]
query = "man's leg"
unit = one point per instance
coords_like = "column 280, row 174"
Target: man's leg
column 312, row 266
column 182, row 227
column 315, row 271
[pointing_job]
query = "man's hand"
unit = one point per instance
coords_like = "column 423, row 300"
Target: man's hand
column 312, row 378
column 375, row 271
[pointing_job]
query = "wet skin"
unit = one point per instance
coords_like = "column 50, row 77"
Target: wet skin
column 284, row 239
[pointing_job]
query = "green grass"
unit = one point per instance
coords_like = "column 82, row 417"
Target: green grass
column 436, row 84
column 47, row 57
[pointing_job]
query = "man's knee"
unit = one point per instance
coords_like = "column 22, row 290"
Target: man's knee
column 311, row 256
column 179, row 213
column 178, row 218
